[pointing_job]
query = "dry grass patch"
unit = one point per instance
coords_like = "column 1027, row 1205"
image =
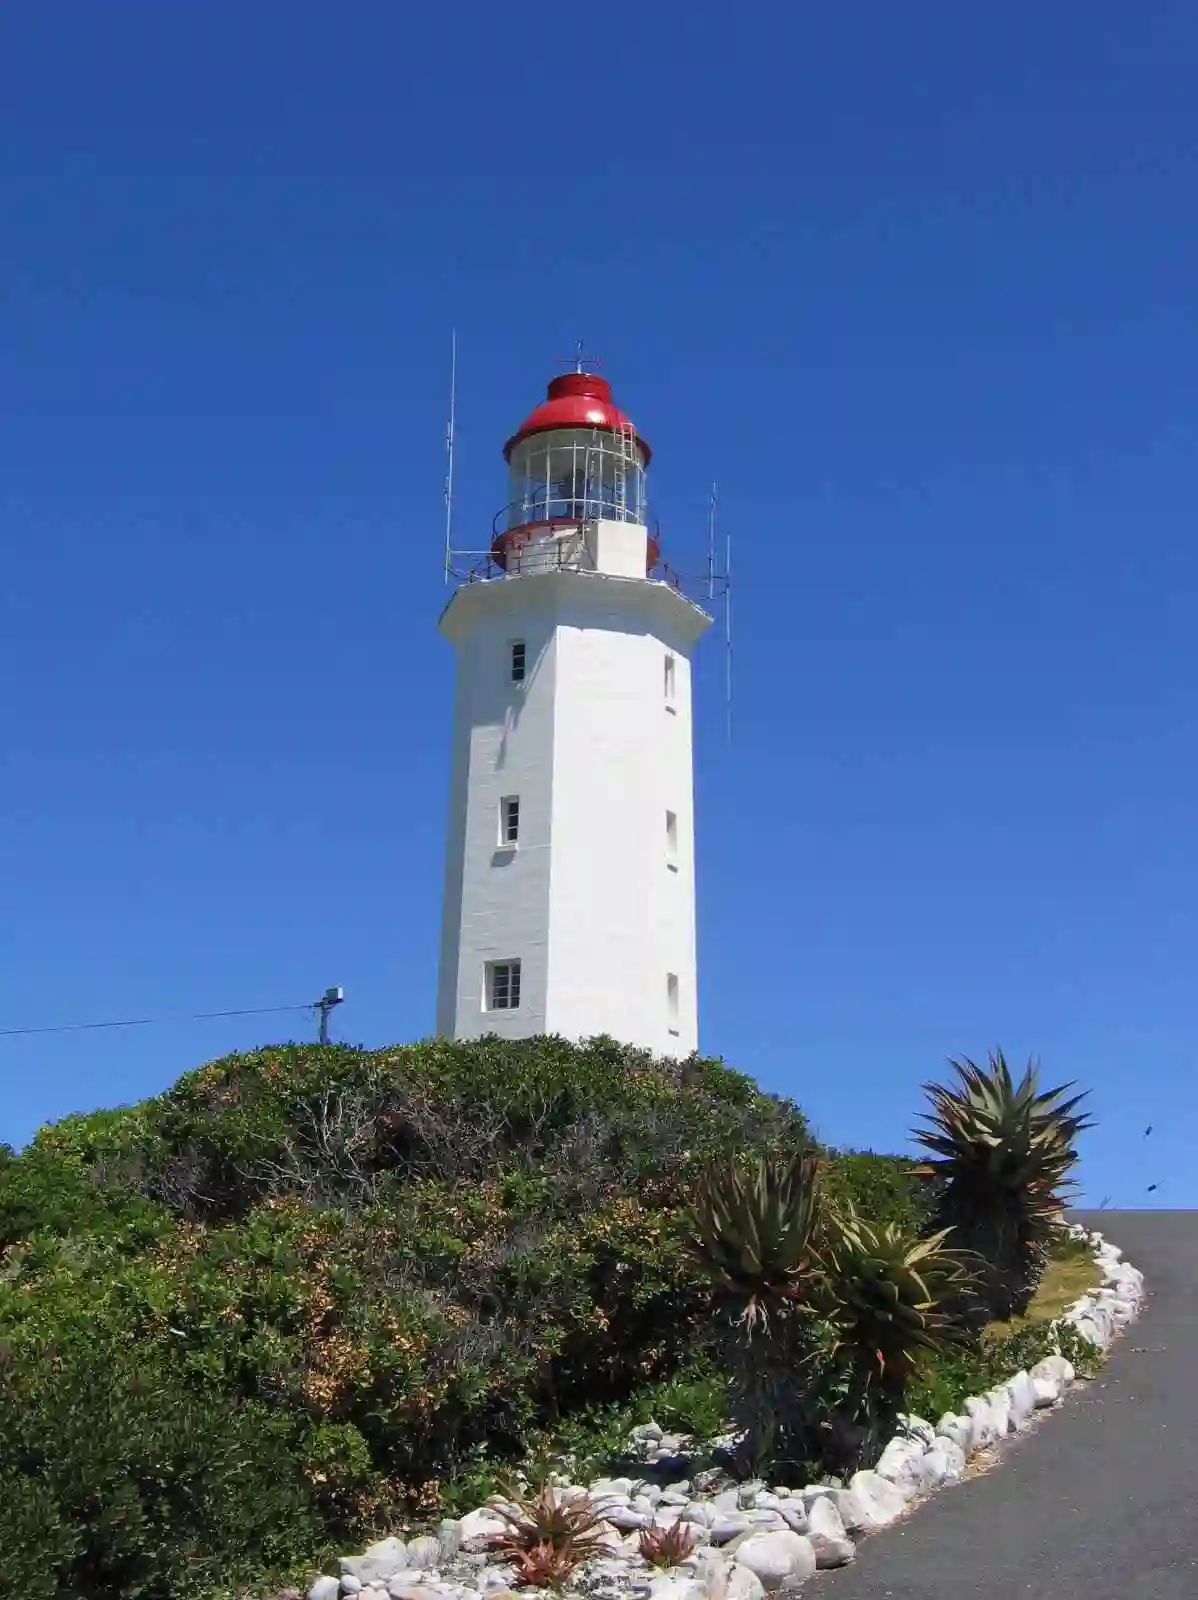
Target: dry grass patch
column 1071, row 1274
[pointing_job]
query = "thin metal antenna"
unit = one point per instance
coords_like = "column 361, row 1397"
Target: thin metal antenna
column 728, row 626
column 580, row 360
column 711, row 540
column 450, row 433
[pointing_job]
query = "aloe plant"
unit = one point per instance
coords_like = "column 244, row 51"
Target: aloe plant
column 1004, row 1154
column 668, row 1546
column 548, row 1533
column 887, row 1297
column 753, row 1234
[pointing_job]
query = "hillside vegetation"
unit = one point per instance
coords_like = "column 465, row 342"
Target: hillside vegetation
column 309, row 1290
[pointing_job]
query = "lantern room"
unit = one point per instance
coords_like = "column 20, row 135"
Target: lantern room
column 576, row 460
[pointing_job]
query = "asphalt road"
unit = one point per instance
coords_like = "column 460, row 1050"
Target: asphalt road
column 1100, row 1501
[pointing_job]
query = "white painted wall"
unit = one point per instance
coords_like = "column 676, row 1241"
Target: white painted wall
column 587, row 901
column 497, row 901
column 618, row 548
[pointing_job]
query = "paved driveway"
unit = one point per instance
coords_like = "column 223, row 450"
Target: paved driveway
column 1100, row 1502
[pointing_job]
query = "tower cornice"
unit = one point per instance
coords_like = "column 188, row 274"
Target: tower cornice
column 653, row 600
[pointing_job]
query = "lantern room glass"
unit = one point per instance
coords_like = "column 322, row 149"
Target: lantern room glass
column 576, row 475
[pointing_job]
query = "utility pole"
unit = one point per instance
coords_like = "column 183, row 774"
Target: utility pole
column 330, row 998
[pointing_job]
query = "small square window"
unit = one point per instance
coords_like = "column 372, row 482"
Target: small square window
column 509, row 819
column 669, row 680
column 519, row 660
column 503, row 985
column 672, row 840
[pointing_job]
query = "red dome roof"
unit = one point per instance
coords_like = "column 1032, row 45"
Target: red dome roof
column 575, row 400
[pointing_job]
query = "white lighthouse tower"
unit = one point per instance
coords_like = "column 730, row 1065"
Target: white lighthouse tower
column 570, row 882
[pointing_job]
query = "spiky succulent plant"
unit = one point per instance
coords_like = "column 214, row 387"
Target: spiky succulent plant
column 753, row 1233
column 888, row 1298
column 546, row 1537
column 1004, row 1153
column 667, row 1546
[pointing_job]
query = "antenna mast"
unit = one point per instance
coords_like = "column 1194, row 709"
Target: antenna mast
column 333, row 996
column 711, row 540
column 449, row 443
column 728, row 627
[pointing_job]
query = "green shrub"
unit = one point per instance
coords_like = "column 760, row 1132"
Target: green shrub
column 825, row 1318
column 946, row 1381
column 349, row 1278
column 115, row 1480
column 884, row 1189
column 312, row 1292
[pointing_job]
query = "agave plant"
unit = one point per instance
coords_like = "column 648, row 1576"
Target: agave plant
column 548, row 1536
column 888, row 1299
column 753, row 1234
column 1005, row 1152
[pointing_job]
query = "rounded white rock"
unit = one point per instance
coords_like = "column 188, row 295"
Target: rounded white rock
column 916, row 1428
column 1058, row 1367
column 983, row 1422
column 870, row 1502
column 901, row 1463
column 479, row 1526
column 829, row 1538
column 1022, row 1397
column 743, row 1584
column 728, row 1526
column 958, row 1429
column 776, row 1556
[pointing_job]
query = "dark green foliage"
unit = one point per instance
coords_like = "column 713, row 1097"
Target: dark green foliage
column 116, row 1480
column 885, row 1295
column 1004, row 1153
column 884, row 1189
column 827, row 1317
column 889, row 1299
column 311, row 1292
column 752, row 1233
column 944, row 1384
column 309, row 1287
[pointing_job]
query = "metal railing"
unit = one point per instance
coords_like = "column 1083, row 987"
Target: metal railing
column 557, row 545
column 535, row 509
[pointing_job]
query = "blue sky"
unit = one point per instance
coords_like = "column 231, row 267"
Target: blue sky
column 915, row 284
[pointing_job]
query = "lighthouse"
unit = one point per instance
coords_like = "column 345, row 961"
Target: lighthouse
column 570, row 864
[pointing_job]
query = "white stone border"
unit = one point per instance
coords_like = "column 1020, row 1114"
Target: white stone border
column 921, row 1459
column 754, row 1540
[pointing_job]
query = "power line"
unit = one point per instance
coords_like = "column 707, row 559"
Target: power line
column 149, row 1022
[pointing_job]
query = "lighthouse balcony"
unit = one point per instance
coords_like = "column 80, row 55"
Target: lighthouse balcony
column 570, row 538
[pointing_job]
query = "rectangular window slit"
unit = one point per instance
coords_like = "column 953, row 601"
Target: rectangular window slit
column 509, row 819
column 669, row 679
column 519, row 658
column 672, row 840
column 503, row 985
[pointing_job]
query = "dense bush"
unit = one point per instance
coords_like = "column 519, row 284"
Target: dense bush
column 944, row 1385
column 887, row 1190
column 309, row 1286
column 313, row 1291
column 117, row 1480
